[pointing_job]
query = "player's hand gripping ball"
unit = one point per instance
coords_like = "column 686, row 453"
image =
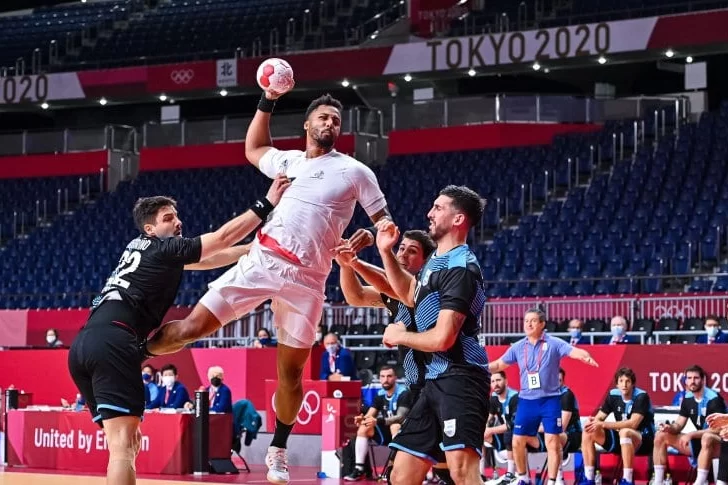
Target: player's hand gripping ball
column 275, row 75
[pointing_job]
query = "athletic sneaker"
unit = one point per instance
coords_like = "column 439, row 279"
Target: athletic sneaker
column 625, row 482
column 277, row 462
column 356, row 475
column 507, row 479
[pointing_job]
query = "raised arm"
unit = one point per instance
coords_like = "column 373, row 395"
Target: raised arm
column 257, row 139
column 236, row 229
column 400, row 280
column 438, row 339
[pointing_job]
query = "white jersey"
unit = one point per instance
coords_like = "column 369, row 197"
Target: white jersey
column 315, row 210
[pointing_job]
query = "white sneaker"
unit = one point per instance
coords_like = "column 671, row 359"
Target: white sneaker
column 560, row 482
column 277, row 462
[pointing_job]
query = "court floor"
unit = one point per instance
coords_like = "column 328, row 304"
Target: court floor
column 20, row 476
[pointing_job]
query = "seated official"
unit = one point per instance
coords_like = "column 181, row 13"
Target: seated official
column 383, row 419
column 151, row 389
column 265, row 339
column 576, row 328
column 713, row 333
column 619, row 329
column 499, row 427
column 219, row 395
column 631, row 434
column 172, row 393
column 337, row 361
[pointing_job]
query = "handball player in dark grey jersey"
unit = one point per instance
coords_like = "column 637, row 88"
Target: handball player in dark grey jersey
column 105, row 358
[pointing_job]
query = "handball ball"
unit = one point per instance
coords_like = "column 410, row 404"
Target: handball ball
column 275, row 74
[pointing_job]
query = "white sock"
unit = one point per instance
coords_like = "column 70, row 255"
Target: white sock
column 702, row 478
column 560, row 475
column 360, row 451
column 552, row 482
column 589, row 472
column 659, row 474
column 627, row 474
column 524, row 478
column 511, row 466
column 721, row 482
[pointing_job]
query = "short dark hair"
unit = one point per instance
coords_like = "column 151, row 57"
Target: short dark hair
column 466, row 200
column 150, row 366
column 171, row 367
column 626, row 372
column 425, row 240
column 697, row 369
column 387, row 367
column 501, row 373
column 265, row 330
column 325, row 100
column 562, row 372
column 146, row 208
column 537, row 311
column 712, row 317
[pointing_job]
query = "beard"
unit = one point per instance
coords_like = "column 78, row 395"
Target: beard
column 324, row 141
column 387, row 386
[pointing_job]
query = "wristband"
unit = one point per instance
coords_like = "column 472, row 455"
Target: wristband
column 266, row 105
column 262, row 208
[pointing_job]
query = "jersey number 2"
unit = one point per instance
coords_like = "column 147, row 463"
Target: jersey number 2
column 128, row 263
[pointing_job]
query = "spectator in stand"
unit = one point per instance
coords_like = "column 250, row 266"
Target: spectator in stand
column 619, row 328
column 172, row 393
column 337, row 361
column 265, row 339
column 576, row 327
column 220, row 396
column 52, row 338
column 713, row 332
column 320, row 332
column 151, row 389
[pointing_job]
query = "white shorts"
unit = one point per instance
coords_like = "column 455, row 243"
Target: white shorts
column 296, row 293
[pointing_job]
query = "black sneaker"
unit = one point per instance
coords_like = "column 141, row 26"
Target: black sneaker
column 357, row 475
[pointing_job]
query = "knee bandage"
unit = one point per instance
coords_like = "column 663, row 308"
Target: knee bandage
column 625, row 441
column 126, row 456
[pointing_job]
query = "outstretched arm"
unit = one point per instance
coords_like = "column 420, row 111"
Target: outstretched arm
column 233, row 231
column 584, row 356
column 400, row 280
column 226, row 257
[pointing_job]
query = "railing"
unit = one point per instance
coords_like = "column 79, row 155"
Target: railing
column 436, row 113
column 537, row 109
column 111, row 137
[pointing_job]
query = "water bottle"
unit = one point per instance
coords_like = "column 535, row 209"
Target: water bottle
column 668, row 480
column 598, row 478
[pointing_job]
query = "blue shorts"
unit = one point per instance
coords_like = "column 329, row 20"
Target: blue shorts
column 533, row 412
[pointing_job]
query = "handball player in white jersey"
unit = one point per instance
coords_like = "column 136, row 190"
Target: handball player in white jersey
column 291, row 256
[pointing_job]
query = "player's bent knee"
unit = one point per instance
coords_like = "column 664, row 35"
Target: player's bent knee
column 708, row 439
column 123, row 457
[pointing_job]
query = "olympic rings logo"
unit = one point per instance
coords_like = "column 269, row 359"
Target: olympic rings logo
column 309, row 407
column 182, row 76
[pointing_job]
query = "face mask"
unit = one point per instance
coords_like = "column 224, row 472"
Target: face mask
column 618, row 331
column 167, row 381
column 50, row 339
column 318, row 336
column 712, row 331
column 264, row 341
column 146, row 377
column 215, row 382
column 575, row 332
column 332, row 348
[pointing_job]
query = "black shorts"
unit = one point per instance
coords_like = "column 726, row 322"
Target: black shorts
column 450, row 414
column 105, row 363
column 611, row 443
column 723, row 462
column 573, row 442
column 382, row 435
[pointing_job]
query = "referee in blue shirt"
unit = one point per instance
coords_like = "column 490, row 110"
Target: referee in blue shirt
column 539, row 401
